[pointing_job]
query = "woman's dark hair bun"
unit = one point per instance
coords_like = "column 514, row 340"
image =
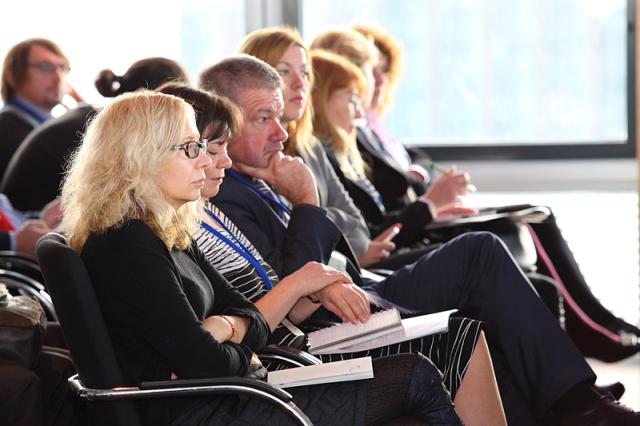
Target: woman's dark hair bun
column 108, row 84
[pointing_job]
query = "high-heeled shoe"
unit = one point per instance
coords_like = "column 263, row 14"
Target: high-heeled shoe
column 596, row 345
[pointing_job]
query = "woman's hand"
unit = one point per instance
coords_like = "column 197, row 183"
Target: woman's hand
column 457, row 211
column 219, row 328
column 445, row 191
column 51, row 214
column 380, row 247
column 314, row 276
column 227, row 327
column 28, row 235
column 347, row 301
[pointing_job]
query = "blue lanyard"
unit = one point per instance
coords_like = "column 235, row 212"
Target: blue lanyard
column 271, row 200
column 237, row 246
column 28, row 109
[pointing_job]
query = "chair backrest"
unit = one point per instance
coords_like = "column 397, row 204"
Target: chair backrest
column 83, row 326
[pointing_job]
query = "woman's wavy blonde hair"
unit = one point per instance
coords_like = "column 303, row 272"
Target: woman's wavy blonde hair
column 348, row 43
column 393, row 50
column 333, row 72
column 270, row 45
column 112, row 177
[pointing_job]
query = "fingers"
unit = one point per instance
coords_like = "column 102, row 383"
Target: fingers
column 342, row 309
column 389, row 233
column 376, row 251
column 384, row 247
column 252, row 171
column 52, row 213
column 267, row 173
column 35, row 225
column 349, row 303
column 361, row 304
column 458, row 211
column 458, row 182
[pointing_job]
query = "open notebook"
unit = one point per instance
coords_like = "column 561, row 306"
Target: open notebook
column 383, row 328
column 528, row 213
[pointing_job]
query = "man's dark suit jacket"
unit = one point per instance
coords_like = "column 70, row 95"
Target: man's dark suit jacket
column 310, row 234
column 33, row 176
column 13, row 130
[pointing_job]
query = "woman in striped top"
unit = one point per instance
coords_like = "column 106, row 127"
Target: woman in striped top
column 461, row 354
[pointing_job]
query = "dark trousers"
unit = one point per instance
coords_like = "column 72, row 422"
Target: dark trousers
column 549, row 293
column 475, row 274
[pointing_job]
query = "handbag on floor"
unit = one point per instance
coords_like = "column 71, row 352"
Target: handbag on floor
column 23, row 325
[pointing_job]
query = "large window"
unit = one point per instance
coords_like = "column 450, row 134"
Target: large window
column 539, row 78
column 117, row 33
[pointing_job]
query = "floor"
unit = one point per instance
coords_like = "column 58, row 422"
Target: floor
column 602, row 229
column 627, row 372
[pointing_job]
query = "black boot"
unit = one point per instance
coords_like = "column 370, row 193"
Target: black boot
column 427, row 398
column 567, row 268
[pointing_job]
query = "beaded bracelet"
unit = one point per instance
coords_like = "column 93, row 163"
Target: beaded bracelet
column 234, row 332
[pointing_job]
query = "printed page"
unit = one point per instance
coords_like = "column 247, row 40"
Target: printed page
column 339, row 371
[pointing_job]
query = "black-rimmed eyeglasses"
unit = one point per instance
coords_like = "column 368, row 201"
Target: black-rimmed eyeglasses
column 47, row 67
column 192, row 148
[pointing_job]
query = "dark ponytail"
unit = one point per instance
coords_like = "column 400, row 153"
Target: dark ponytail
column 108, row 84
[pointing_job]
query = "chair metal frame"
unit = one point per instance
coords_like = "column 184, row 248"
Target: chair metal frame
column 195, row 387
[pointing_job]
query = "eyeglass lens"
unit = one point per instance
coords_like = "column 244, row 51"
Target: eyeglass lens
column 50, row 67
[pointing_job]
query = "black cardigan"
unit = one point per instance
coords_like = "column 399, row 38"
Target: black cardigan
column 153, row 301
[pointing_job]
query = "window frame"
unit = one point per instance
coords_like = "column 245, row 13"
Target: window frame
column 292, row 11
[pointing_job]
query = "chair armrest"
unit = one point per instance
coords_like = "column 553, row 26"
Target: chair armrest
column 215, row 382
column 22, row 263
column 24, row 279
column 184, row 387
column 194, row 387
column 18, row 255
column 292, row 356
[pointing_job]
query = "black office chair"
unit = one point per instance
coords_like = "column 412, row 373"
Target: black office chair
column 99, row 377
column 21, row 263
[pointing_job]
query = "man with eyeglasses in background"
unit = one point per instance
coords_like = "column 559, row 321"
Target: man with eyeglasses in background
column 33, row 82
